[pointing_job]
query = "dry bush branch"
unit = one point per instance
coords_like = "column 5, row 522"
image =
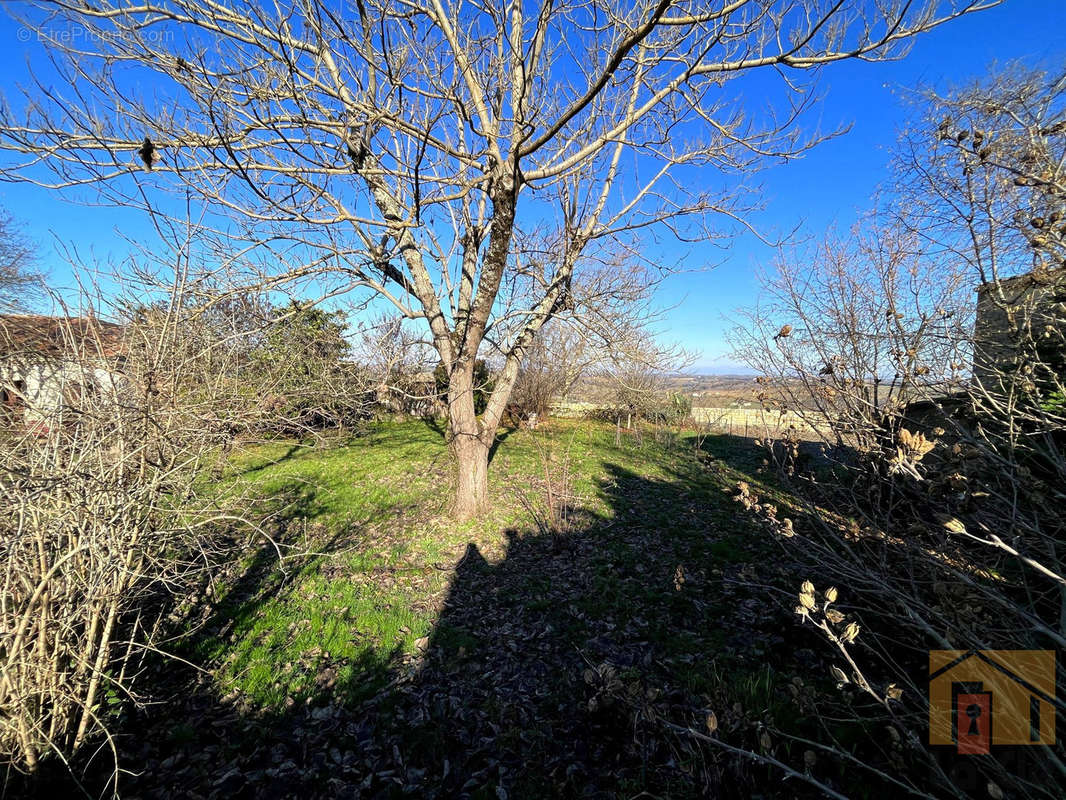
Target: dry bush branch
column 108, row 518
column 933, row 504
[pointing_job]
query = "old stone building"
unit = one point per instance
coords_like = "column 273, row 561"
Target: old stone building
column 1019, row 331
column 48, row 364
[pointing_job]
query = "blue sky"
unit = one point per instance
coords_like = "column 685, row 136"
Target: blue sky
column 836, row 182
column 829, row 186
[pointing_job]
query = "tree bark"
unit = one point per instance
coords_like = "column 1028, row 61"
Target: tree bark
column 471, row 456
column 470, row 442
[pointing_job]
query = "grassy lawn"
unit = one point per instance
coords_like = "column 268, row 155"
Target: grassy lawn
column 376, row 511
column 421, row 657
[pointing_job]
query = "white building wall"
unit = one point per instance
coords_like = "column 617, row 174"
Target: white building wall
column 45, row 383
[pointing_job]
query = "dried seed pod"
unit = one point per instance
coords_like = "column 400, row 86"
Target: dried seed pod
column 148, row 154
column 851, row 632
column 951, row 524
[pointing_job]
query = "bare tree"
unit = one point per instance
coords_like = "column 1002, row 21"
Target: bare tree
column 982, row 168
column 991, row 182
column 848, row 332
column 399, row 363
column 988, row 190
column 416, row 151
column 630, row 378
column 555, row 361
column 19, row 282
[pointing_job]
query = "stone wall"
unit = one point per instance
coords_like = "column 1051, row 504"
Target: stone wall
column 1019, row 321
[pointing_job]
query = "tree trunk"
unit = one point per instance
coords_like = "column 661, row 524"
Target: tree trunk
column 469, row 443
column 472, row 480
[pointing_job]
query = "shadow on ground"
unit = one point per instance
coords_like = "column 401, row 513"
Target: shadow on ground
column 549, row 673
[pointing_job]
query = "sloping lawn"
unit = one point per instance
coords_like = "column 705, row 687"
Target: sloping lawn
column 375, row 512
column 393, row 652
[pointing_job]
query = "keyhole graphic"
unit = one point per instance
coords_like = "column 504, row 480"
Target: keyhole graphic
column 973, row 711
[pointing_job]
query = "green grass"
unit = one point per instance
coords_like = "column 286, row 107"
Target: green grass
column 375, row 509
column 381, row 588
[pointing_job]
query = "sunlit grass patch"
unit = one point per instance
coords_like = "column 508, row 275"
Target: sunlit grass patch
column 369, row 516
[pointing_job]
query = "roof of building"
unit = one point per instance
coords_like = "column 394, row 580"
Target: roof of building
column 35, row 334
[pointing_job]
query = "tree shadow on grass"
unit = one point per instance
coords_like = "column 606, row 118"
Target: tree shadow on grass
column 771, row 458
column 293, row 449
column 437, row 425
column 548, row 673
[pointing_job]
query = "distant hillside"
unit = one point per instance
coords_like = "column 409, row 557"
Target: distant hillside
column 706, row 391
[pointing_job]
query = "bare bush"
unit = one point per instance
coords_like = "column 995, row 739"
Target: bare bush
column 399, row 365
column 551, row 500
column 849, row 333
column 630, row 379
column 555, row 361
column 104, row 513
column 933, row 507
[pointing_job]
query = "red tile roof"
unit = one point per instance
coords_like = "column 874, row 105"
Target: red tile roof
column 26, row 334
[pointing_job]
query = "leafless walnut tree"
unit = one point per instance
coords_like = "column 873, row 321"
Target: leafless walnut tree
column 411, row 150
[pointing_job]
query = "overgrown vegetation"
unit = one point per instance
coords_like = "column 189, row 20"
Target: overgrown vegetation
column 495, row 654
column 103, row 519
column 235, row 564
column 932, row 505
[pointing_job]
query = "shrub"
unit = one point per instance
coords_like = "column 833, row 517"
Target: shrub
column 102, row 519
column 936, row 513
column 483, row 384
column 301, row 371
